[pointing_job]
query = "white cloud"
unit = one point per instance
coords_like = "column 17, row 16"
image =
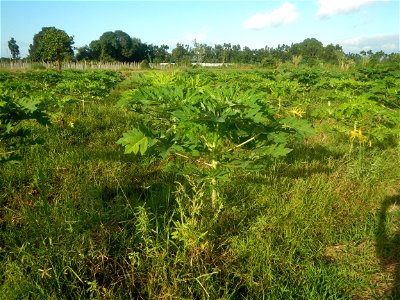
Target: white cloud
column 285, row 14
column 328, row 8
column 386, row 42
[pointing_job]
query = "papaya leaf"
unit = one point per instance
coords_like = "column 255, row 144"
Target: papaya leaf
column 300, row 126
column 275, row 150
column 135, row 141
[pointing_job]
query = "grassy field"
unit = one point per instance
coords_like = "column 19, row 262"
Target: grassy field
column 79, row 219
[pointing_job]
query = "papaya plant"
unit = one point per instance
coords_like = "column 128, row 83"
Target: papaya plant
column 13, row 112
column 41, row 97
column 213, row 129
column 379, row 123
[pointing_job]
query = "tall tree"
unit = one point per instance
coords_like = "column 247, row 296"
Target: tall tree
column 95, row 50
column 141, row 51
column 218, row 52
column 124, row 42
column 115, row 45
column 83, row 53
column 109, row 47
column 161, row 54
column 14, row 48
column 227, row 53
column 236, row 53
column 247, row 55
column 181, row 54
column 310, row 49
column 199, row 51
column 51, row 44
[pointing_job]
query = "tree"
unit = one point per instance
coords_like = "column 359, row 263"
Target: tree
column 247, row 55
column 270, row 61
column 51, row 44
column 218, row 52
column 236, row 53
column 331, row 54
column 108, row 46
column 227, row 52
column 14, row 48
column 141, row 51
column 160, row 53
column 116, row 45
column 209, row 55
column 84, row 53
column 310, row 49
column 181, row 54
column 282, row 52
column 124, row 42
column 95, row 50
column 199, row 51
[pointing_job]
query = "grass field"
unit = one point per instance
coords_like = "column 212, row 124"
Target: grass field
column 79, row 219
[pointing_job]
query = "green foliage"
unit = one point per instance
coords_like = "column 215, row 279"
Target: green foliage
column 119, row 46
column 13, row 112
column 51, row 44
column 116, row 46
column 81, row 220
column 380, row 124
column 269, row 62
column 181, row 54
column 310, row 49
column 14, row 48
column 307, row 77
column 135, row 141
column 224, row 127
column 85, row 87
column 365, row 109
column 42, row 97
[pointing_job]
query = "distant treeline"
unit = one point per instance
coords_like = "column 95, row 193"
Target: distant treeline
column 118, row 46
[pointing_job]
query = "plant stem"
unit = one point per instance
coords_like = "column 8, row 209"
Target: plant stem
column 244, row 143
column 8, row 152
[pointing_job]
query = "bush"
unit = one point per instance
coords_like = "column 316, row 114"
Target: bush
column 269, row 62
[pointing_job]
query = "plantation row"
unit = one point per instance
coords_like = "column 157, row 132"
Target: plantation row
column 363, row 104
column 194, row 183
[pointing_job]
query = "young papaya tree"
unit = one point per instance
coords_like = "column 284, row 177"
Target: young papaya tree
column 206, row 131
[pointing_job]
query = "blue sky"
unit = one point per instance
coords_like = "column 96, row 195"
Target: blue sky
column 355, row 24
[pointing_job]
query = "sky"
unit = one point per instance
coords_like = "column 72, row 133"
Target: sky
column 356, row 25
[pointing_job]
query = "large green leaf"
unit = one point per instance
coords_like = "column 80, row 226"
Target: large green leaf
column 218, row 123
column 135, row 141
column 301, row 126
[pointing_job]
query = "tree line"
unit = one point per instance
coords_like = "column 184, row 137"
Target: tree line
column 52, row 44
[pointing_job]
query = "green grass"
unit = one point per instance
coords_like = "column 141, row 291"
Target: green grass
column 81, row 220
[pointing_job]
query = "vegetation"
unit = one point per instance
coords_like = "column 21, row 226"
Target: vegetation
column 51, row 44
column 14, row 48
column 236, row 183
column 54, row 45
column 119, row 46
column 114, row 46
